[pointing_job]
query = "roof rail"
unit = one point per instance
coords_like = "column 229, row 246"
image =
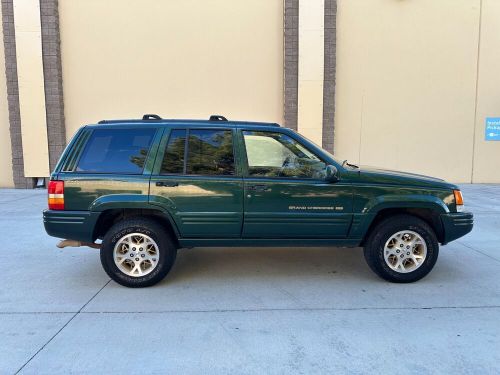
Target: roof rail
column 151, row 117
column 217, row 118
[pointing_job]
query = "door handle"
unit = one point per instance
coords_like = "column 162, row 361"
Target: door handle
column 167, row 183
column 258, row 188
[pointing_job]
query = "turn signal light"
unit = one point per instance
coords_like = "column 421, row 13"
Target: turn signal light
column 56, row 195
column 459, row 200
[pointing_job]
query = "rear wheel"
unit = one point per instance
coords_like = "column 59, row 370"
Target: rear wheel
column 402, row 249
column 137, row 252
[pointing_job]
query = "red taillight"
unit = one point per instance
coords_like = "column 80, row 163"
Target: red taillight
column 56, row 195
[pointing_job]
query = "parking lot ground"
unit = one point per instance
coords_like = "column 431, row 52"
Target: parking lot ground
column 247, row 310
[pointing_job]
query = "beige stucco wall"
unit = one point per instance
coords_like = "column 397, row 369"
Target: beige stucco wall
column 30, row 80
column 311, row 69
column 5, row 147
column 179, row 59
column 406, row 85
column 487, row 154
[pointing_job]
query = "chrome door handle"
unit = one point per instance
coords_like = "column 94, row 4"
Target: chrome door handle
column 258, row 188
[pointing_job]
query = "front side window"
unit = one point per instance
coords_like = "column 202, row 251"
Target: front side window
column 116, row 151
column 209, row 152
column 273, row 154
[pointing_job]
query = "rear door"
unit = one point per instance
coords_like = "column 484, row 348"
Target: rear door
column 286, row 195
column 195, row 179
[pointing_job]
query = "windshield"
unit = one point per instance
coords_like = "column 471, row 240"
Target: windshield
column 318, row 146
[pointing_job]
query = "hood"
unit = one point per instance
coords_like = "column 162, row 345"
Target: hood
column 387, row 176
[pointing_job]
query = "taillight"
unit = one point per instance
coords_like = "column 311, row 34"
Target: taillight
column 56, row 195
column 459, row 200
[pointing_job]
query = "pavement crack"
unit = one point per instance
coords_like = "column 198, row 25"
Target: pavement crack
column 312, row 309
column 478, row 251
column 62, row 328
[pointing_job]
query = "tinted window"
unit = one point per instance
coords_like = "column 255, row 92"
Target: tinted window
column 210, row 152
column 173, row 161
column 116, row 151
column 278, row 155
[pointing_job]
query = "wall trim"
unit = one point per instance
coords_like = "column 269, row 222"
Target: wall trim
column 291, row 63
column 329, row 74
column 52, row 71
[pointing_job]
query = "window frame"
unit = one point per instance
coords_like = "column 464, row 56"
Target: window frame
column 163, row 149
column 246, row 169
column 74, row 159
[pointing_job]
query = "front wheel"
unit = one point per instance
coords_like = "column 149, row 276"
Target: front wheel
column 402, row 249
column 137, row 252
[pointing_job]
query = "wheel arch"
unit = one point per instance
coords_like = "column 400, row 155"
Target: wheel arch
column 111, row 216
column 430, row 215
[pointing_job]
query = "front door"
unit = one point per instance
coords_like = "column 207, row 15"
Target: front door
column 195, row 180
column 286, row 194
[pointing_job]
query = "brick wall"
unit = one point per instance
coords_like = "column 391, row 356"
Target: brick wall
column 329, row 74
column 291, row 62
column 52, row 70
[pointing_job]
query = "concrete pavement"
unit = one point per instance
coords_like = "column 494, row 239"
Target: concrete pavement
column 247, row 310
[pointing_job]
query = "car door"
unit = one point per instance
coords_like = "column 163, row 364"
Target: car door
column 286, row 194
column 195, row 180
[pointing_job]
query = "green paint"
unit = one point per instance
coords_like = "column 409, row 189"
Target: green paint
column 242, row 210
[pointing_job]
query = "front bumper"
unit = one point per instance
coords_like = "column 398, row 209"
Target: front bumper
column 74, row 225
column 456, row 225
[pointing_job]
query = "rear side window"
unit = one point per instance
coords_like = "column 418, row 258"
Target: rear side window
column 173, row 161
column 116, row 151
column 209, row 153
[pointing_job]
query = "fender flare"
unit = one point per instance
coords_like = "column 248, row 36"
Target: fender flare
column 362, row 221
column 130, row 201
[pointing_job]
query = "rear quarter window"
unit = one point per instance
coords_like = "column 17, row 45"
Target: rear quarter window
column 119, row 151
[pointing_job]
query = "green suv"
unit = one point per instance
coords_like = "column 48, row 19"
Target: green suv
column 148, row 187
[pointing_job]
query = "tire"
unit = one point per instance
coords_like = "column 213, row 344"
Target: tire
column 390, row 240
column 146, row 266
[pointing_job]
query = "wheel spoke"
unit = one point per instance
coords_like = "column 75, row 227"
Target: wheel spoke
column 137, row 269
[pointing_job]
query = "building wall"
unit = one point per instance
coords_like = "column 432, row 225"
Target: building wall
column 6, row 179
column 178, row 59
column 486, row 160
column 406, row 85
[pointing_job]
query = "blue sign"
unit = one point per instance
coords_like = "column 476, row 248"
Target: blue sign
column 492, row 129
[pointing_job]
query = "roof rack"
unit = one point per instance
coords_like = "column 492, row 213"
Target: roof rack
column 221, row 120
column 217, row 118
column 146, row 117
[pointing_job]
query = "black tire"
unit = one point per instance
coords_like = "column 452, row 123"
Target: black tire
column 374, row 247
column 166, row 248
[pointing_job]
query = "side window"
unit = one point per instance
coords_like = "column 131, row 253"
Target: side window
column 173, row 160
column 273, row 154
column 210, row 152
column 116, row 151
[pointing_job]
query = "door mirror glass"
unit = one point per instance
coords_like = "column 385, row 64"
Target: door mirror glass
column 331, row 174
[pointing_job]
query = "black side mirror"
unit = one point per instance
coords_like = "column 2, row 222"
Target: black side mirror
column 331, row 174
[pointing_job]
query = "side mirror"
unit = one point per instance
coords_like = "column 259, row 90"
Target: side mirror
column 331, row 174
